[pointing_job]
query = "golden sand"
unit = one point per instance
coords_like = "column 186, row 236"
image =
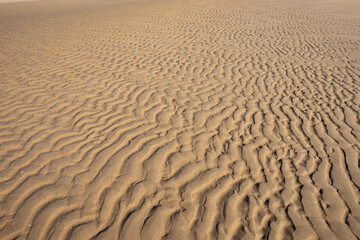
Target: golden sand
column 177, row 119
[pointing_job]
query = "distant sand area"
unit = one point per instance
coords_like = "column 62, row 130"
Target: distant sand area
column 12, row 1
column 177, row 119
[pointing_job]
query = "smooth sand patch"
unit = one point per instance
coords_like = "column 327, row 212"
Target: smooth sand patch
column 13, row 1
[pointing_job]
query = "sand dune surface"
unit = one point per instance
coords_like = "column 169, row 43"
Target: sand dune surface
column 177, row 119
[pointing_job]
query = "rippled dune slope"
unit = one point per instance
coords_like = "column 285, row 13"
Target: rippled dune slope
column 176, row 119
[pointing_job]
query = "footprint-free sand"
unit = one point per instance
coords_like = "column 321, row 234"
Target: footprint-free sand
column 179, row 119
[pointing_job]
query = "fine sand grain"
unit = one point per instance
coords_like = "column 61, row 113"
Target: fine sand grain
column 179, row 119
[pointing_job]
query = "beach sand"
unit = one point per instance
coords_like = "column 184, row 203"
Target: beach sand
column 14, row 1
column 177, row 119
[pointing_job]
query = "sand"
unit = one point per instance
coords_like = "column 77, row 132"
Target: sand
column 13, row 1
column 175, row 119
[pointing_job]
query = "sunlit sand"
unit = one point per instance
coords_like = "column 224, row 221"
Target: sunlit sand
column 171, row 119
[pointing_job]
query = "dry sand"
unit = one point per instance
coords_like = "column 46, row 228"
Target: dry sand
column 14, row 1
column 175, row 119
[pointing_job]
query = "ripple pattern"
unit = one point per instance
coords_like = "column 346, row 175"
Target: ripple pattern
column 180, row 120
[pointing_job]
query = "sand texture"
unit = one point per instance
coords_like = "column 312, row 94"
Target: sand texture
column 13, row 1
column 176, row 119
